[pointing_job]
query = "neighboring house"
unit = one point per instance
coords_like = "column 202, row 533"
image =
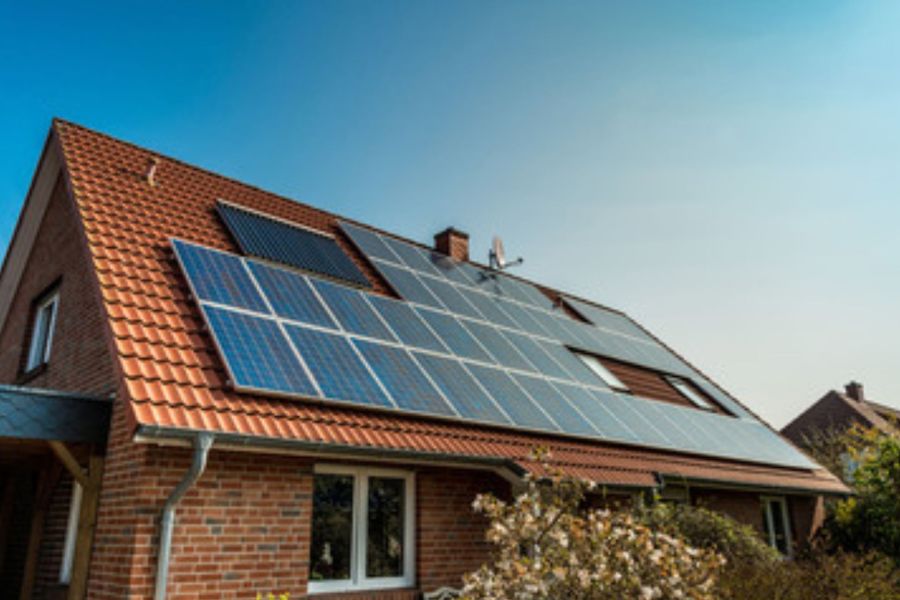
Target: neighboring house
column 836, row 411
column 281, row 421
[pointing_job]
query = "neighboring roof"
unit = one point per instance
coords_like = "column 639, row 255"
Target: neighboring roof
column 33, row 414
column 175, row 380
column 838, row 410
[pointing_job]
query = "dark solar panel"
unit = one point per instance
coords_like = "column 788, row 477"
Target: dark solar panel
column 406, row 324
column 278, row 241
column 353, row 312
column 218, row 277
column 291, row 295
column 413, row 257
column 370, row 243
column 499, row 347
column 257, row 354
column 514, row 402
column 489, row 308
column 450, row 296
column 599, row 415
column 403, row 379
column 336, row 367
column 408, row 285
column 555, row 405
column 455, row 337
column 536, row 355
column 469, row 399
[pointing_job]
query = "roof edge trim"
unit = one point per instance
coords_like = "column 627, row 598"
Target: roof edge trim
column 703, row 482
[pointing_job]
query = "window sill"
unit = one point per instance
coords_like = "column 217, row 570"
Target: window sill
column 392, row 593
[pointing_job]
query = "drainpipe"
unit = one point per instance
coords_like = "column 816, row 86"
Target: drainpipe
column 202, row 443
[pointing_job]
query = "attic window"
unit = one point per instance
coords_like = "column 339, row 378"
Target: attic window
column 693, row 396
column 42, row 331
column 600, row 370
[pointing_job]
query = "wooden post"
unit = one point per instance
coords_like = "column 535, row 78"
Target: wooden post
column 87, row 520
column 46, row 483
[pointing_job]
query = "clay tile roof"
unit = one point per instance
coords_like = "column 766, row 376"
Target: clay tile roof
column 175, row 380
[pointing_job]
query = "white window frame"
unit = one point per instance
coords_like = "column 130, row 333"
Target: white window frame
column 683, row 387
column 599, row 369
column 358, row 580
column 68, row 557
column 39, row 347
column 768, row 501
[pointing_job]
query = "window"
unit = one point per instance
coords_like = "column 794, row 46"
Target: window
column 65, row 569
column 693, row 396
column 600, row 370
column 776, row 524
column 362, row 529
column 42, row 331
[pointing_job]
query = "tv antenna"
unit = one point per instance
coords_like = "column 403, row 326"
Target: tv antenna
column 497, row 256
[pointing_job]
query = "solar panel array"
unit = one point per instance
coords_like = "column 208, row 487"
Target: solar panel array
column 284, row 333
column 285, row 243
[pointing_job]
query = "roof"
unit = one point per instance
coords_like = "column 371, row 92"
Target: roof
column 175, row 381
column 840, row 410
column 33, row 414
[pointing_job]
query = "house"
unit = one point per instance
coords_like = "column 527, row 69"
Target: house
column 837, row 412
column 233, row 392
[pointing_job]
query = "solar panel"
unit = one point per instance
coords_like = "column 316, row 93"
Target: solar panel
column 272, row 239
column 297, row 355
column 628, row 411
column 594, row 411
column 352, row 311
column 257, row 354
column 370, row 243
column 408, row 285
column 608, row 319
column 528, row 293
column 536, row 355
column 452, row 299
column 511, row 398
column 291, row 295
column 455, row 337
column 406, row 324
column 403, row 379
column 553, row 403
column 525, row 321
column 218, row 277
column 336, row 366
column 571, row 363
column 498, row 346
column 413, row 257
column 489, row 308
column 469, row 399
column 450, row 269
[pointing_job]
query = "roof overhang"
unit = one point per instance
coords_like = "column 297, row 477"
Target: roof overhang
column 831, row 489
column 31, row 414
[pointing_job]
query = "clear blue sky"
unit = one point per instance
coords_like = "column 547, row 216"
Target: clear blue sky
column 727, row 173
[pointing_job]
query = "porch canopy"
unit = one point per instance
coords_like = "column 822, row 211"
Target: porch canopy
column 44, row 433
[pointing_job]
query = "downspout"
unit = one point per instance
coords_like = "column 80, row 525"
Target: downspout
column 202, row 443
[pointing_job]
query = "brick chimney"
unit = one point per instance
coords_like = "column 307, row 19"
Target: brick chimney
column 854, row 389
column 452, row 242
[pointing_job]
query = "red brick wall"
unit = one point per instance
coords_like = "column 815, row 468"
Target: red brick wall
column 245, row 526
column 80, row 359
column 450, row 536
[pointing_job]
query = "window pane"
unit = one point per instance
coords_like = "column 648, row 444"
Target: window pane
column 384, row 551
column 781, row 540
column 332, row 532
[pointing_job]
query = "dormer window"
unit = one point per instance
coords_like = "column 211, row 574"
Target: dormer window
column 42, row 331
column 600, row 370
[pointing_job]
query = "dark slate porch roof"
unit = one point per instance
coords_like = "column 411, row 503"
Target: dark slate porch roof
column 36, row 414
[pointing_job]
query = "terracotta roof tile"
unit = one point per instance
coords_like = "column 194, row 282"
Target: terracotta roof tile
column 174, row 378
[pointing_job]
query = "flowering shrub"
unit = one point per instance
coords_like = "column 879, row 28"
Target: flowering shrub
column 704, row 528
column 547, row 547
